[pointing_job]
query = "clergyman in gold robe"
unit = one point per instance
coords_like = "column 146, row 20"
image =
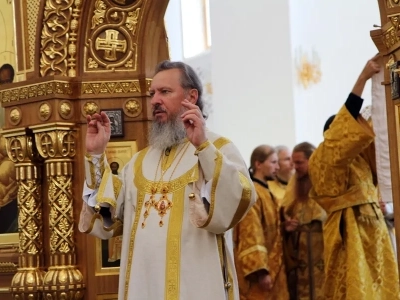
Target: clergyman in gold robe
column 258, row 237
column 280, row 181
column 359, row 259
column 303, row 239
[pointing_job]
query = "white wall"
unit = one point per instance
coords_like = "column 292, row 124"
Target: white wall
column 256, row 96
column 251, row 73
column 339, row 32
column 173, row 26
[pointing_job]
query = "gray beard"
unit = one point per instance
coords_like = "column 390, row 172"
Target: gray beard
column 165, row 135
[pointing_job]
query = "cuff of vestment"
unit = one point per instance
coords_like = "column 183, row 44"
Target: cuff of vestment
column 94, row 168
column 202, row 147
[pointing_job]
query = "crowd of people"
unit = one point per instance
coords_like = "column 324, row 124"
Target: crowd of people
column 306, row 222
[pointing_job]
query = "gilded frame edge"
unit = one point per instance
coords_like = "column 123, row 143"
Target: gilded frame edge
column 107, row 297
column 9, row 240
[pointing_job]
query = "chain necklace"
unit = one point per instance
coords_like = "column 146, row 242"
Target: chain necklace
column 163, row 204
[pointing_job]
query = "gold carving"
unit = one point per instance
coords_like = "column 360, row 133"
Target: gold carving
column 27, row 284
column 32, row 8
column 100, row 11
column 132, row 20
column 36, row 90
column 390, row 37
column 111, row 44
column 28, row 281
column 132, row 108
column 391, row 61
column 65, row 109
column 56, row 143
column 129, row 63
column 44, row 111
column 8, row 267
column 114, row 16
column 112, row 40
column 92, row 64
column 73, row 39
column 63, row 282
column 54, row 39
column 15, row 116
column 148, row 84
column 90, row 108
column 115, row 87
column 392, row 3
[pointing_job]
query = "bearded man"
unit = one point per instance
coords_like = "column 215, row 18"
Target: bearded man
column 303, row 240
column 174, row 200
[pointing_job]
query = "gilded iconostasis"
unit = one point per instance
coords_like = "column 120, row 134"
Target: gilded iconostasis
column 7, row 48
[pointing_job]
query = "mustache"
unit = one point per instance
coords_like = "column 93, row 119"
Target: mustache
column 158, row 109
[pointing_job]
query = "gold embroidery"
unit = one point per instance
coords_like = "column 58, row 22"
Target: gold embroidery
column 217, row 172
column 172, row 273
column 92, row 170
column 244, row 202
column 163, row 204
column 145, row 187
column 252, row 249
column 223, row 260
column 202, row 147
column 103, row 185
column 220, row 142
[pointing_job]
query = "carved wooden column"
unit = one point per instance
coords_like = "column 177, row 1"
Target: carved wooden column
column 28, row 281
column 56, row 144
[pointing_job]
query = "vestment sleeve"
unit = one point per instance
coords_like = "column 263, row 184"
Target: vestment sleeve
column 232, row 191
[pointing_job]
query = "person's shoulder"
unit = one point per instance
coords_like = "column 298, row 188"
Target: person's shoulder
column 217, row 140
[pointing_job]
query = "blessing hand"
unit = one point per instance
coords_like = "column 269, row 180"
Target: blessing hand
column 98, row 133
column 194, row 123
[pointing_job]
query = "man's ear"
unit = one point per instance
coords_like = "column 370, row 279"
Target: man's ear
column 193, row 95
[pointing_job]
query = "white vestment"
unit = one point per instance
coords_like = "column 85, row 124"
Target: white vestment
column 380, row 126
column 184, row 258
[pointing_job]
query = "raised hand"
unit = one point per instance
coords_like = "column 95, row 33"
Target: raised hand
column 98, row 133
column 194, row 123
column 372, row 67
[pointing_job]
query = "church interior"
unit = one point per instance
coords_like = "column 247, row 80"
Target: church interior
column 272, row 73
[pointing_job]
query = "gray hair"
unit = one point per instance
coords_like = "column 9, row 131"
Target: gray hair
column 189, row 79
column 280, row 148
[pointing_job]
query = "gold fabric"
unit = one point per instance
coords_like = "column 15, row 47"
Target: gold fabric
column 278, row 189
column 304, row 247
column 359, row 260
column 258, row 246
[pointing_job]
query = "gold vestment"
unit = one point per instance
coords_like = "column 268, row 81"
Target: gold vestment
column 304, row 247
column 359, row 259
column 258, row 246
